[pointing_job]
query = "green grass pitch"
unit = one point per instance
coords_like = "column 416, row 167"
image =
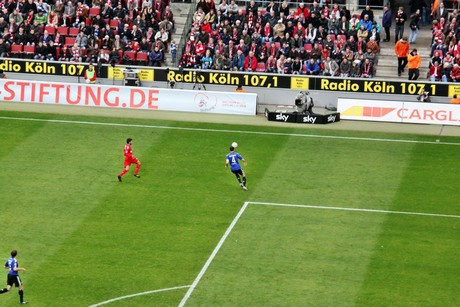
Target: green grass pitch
column 85, row 238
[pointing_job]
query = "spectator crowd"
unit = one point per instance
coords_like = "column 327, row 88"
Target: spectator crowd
column 445, row 47
column 111, row 31
column 306, row 39
column 299, row 38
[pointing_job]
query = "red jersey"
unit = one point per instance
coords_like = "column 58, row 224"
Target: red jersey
column 128, row 152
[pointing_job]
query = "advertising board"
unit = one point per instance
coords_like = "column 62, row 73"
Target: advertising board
column 127, row 97
column 400, row 112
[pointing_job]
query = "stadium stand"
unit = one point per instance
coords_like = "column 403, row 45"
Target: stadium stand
column 123, row 25
column 276, row 33
column 289, row 35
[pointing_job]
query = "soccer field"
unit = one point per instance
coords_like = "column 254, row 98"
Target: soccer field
column 331, row 218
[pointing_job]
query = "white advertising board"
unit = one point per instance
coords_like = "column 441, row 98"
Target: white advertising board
column 400, row 112
column 128, row 97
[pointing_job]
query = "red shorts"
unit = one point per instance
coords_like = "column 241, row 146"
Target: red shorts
column 129, row 161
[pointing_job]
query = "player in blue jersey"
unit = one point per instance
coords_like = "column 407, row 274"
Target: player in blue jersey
column 233, row 160
column 13, row 276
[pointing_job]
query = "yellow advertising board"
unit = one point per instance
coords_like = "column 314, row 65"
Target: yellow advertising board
column 300, row 83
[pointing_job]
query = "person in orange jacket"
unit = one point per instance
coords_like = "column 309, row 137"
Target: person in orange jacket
column 402, row 51
column 455, row 100
column 413, row 60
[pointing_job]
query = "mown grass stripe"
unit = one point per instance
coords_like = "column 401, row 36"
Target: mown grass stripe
column 233, row 131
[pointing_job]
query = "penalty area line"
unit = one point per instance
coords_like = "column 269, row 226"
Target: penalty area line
column 138, row 294
column 213, row 255
column 357, row 209
column 246, row 204
column 229, row 131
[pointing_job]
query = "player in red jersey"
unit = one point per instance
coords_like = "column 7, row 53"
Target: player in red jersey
column 130, row 159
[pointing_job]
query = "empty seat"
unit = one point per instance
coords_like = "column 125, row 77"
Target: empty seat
column 16, row 50
column 51, row 30
column 260, row 67
column 94, row 11
column 307, row 47
column 29, row 51
column 73, row 31
column 142, row 57
column 69, row 41
column 63, row 30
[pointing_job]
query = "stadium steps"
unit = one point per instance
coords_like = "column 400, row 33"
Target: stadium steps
column 387, row 67
column 180, row 11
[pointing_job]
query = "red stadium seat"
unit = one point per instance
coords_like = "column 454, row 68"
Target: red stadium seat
column 94, row 11
column 114, row 23
column 63, row 30
column 260, row 67
column 131, row 55
column 69, row 41
column 440, row 53
column 51, row 30
column 73, row 31
column 120, row 54
column 29, row 51
column 142, row 57
column 307, row 47
column 16, row 50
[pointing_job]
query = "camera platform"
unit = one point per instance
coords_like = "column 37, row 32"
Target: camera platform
column 312, row 118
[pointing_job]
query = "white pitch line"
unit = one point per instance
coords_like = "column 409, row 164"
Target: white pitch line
column 230, row 131
column 357, row 209
column 237, row 217
column 138, row 294
column 213, row 255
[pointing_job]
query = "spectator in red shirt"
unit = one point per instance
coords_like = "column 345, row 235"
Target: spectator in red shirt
column 250, row 62
column 455, row 73
column 303, row 9
column 199, row 48
column 435, row 72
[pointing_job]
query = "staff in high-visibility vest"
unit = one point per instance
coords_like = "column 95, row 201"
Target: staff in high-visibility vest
column 90, row 74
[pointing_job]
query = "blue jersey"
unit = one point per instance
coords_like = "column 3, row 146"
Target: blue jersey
column 12, row 264
column 233, row 158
